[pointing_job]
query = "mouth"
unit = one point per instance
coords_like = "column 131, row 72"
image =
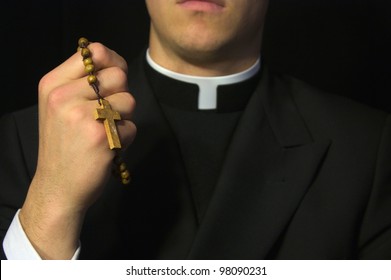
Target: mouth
column 202, row 5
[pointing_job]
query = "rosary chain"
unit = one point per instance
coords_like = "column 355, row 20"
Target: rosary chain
column 120, row 169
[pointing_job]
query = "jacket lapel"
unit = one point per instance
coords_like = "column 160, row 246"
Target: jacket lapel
column 271, row 163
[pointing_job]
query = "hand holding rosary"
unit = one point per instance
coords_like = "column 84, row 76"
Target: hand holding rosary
column 104, row 113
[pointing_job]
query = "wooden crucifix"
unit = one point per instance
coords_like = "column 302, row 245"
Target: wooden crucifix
column 109, row 116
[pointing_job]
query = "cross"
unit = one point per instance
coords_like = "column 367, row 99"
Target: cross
column 105, row 113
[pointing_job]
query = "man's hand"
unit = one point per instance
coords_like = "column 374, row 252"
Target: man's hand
column 74, row 159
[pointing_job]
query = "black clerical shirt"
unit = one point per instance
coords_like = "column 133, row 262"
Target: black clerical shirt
column 203, row 135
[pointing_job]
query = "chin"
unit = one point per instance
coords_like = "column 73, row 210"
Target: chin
column 198, row 55
column 202, row 45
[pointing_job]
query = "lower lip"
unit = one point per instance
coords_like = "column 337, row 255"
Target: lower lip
column 202, row 6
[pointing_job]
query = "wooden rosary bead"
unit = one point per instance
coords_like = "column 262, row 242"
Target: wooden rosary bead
column 85, row 53
column 120, row 170
column 125, row 181
column 90, row 68
column 87, row 61
column 92, row 79
column 122, row 167
column 83, row 42
column 125, row 174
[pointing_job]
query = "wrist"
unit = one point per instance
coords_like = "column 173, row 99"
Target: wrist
column 53, row 232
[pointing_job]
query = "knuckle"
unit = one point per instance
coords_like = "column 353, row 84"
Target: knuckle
column 129, row 104
column 99, row 52
column 121, row 61
column 44, row 83
column 103, row 56
column 124, row 64
column 129, row 133
column 132, row 102
column 119, row 74
column 55, row 98
column 134, row 130
column 76, row 115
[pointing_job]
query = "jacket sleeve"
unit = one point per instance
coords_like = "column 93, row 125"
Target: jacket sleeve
column 375, row 234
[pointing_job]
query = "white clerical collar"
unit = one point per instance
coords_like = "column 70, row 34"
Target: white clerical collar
column 207, row 98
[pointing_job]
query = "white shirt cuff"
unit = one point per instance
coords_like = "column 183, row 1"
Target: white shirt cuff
column 17, row 246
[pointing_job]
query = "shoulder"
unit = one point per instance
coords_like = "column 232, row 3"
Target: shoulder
column 25, row 117
column 326, row 111
column 21, row 128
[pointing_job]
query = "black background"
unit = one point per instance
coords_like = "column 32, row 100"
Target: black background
column 342, row 46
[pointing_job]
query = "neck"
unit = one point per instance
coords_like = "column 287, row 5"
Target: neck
column 210, row 66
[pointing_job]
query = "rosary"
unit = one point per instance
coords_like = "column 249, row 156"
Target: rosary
column 105, row 113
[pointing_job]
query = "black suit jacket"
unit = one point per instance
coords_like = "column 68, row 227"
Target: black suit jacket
column 306, row 176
